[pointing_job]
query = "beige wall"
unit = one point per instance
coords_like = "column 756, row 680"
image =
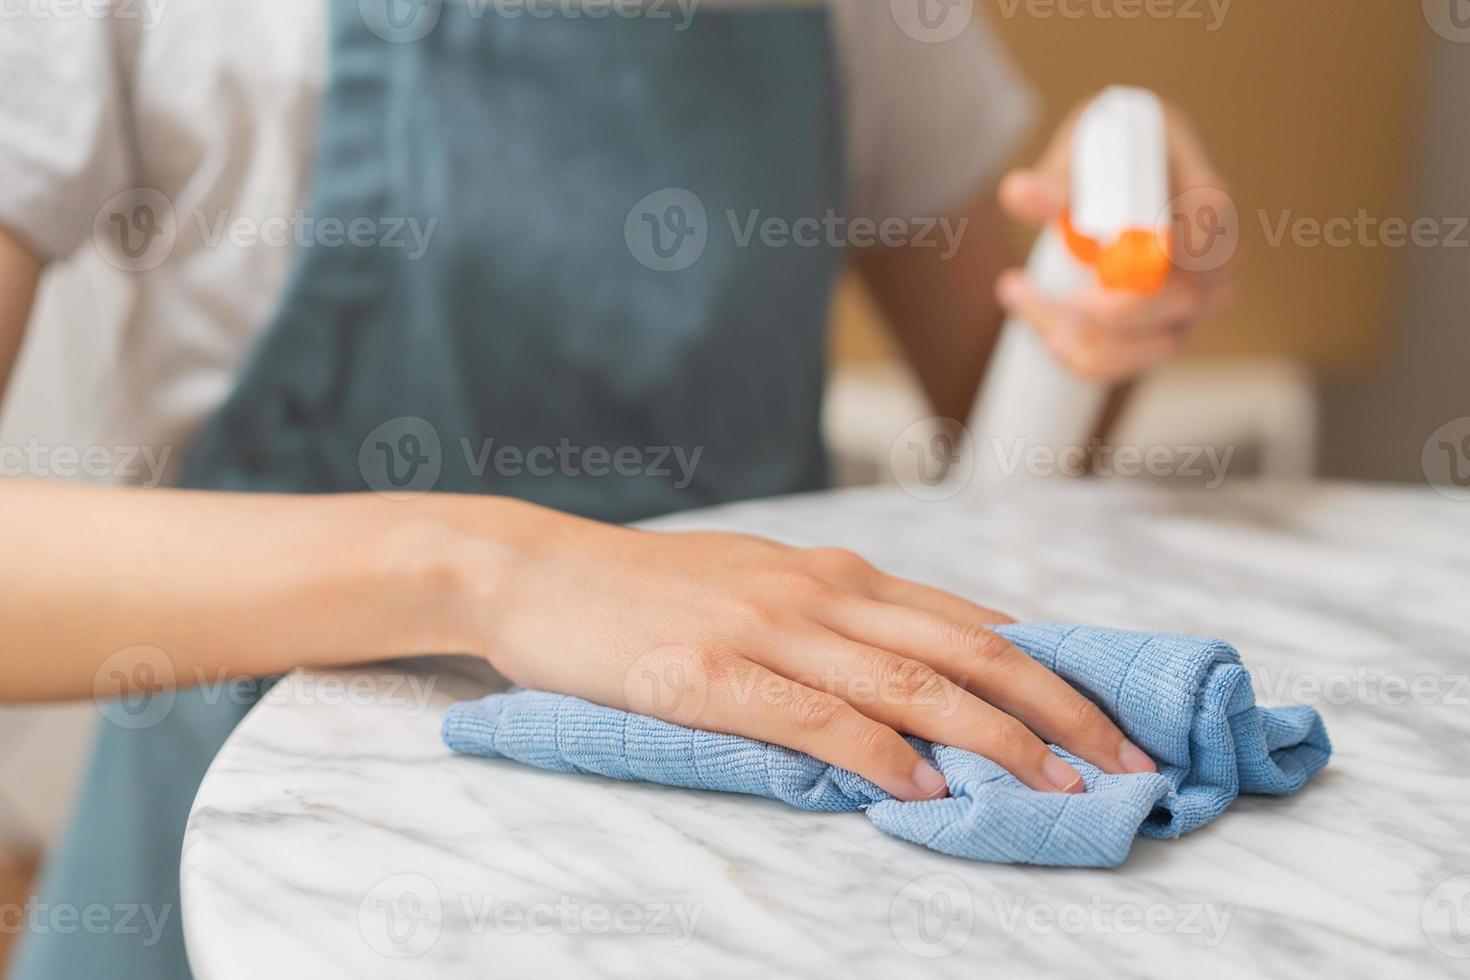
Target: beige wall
column 1376, row 427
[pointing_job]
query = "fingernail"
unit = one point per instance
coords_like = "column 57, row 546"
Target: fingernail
column 929, row 782
column 1062, row 776
column 1135, row 759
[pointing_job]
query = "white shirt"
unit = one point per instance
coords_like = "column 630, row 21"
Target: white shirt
column 211, row 107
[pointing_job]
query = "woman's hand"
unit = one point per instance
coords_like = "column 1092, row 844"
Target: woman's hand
column 1114, row 335
column 813, row 649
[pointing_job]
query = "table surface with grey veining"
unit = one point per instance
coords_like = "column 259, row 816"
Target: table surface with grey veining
column 336, row 836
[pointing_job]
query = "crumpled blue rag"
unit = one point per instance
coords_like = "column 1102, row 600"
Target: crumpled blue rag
column 1185, row 700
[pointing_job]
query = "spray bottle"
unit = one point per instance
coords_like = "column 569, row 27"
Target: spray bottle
column 1115, row 233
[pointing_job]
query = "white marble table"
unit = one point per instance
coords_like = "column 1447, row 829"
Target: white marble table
column 336, row 837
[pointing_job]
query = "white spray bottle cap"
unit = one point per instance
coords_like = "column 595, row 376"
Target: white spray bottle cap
column 1120, row 189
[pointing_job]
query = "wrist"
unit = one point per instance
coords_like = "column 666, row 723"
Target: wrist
column 448, row 558
column 420, row 576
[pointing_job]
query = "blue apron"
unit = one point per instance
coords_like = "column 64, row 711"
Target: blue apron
column 587, row 291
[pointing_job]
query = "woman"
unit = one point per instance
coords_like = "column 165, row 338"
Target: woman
column 531, row 148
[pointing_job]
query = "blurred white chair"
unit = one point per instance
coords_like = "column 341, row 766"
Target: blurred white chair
column 1267, row 408
column 1263, row 412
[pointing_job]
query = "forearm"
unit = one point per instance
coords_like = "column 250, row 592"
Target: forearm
column 229, row 584
column 942, row 307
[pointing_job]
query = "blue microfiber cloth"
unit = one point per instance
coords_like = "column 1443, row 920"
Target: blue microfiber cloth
column 1184, row 700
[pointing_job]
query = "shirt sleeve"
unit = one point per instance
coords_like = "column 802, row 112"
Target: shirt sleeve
column 63, row 100
column 931, row 117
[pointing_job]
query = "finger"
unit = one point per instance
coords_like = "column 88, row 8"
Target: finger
column 1087, row 349
column 1117, row 358
column 903, row 592
column 750, row 700
column 1105, row 310
column 1020, row 297
column 910, row 696
column 1109, row 312
column 1109, row 335
column 841, row 568
column 984, row 663
column 1038, row 193
column 848, row 570
column 1033, row 197
column 1098, row 359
